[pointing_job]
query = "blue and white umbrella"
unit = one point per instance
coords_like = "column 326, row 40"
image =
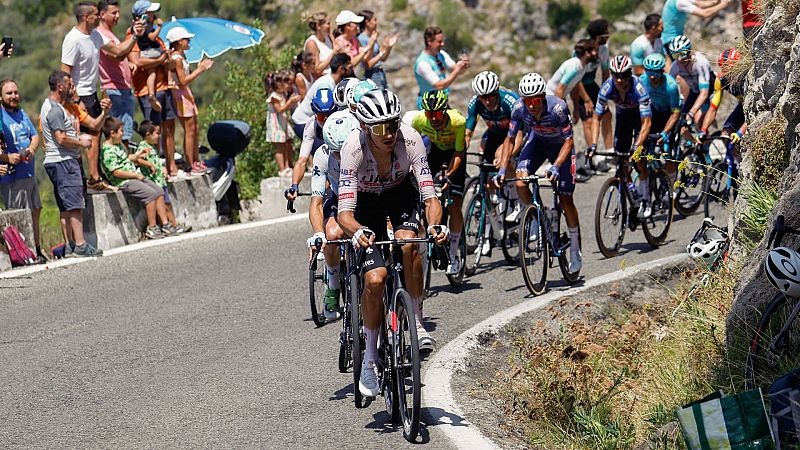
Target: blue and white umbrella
column 213, row 37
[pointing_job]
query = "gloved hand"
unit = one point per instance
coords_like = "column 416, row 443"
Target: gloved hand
column 664, row 137
column 500, row 177
column 736, row 137
column 439, row 232
column 361, row 237
column 701, row 135
column 552, row 172
column 312, row 241
column 291, row 193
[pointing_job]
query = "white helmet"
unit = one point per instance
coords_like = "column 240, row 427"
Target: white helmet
column 340, row 93
column 485, row 83
column 709, row 243
column 337, row 128
column 782, row 265
column 378, row 105
column 620, row 64
column 357, row 90
column 532, row 84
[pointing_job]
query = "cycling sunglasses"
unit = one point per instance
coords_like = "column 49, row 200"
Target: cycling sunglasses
column 435, row 115
column 322, row 117
column 533, row 101
column 382, row 129
column 623, row 76
column 488, row 97
column 682, row 55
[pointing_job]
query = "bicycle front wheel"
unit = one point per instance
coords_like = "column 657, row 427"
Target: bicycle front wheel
column 775, row 347
column 718, row 187
column 656, row 227
column 689, row 194
column 358, row 338
column 563, row 261
column 473, row 232
column 406, row 360
column 609, row 218
column 510, row 238
column 316, row 293
column 534, row 256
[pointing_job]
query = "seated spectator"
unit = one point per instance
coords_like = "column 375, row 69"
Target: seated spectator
column 153, row 169
column 118, row 166
column 19, row 189
column 62, row 162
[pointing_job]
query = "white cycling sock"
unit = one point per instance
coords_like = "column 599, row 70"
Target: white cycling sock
column 333, row 276
column 644, row 189
column 417, row 311
column 574, row 241
column 371, row 351
column 454, row 239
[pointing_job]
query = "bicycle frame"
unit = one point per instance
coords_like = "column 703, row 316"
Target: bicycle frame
column 553, row 231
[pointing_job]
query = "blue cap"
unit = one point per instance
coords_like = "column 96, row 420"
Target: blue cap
column 142, row 7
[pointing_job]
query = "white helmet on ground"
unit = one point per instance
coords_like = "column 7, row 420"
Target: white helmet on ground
column 709, row 243
column 531, row 85
column 782, row 265
column 485, row 83
column 378, row 105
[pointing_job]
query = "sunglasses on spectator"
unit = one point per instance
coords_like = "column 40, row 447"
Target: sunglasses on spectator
column 533, row 101
column 382, row 129
column 435, row 115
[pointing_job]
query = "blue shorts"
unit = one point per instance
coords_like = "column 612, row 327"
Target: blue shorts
column 167, row 107
column 123, row 107
column 533, row 155
column 67, row 179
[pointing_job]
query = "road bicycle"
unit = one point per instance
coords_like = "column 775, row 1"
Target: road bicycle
column 318, row 280
column 775, row 346
column 398, row 362
column 543, row 238
column 721, row 186
column 438, row 256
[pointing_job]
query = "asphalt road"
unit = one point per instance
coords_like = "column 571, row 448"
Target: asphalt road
column 208, row 343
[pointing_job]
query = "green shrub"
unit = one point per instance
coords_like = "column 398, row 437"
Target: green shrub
column 767, row 147
column 455, row 26
column 615, row 9
column 565, row 16
column 417, row 22
column 399, row 5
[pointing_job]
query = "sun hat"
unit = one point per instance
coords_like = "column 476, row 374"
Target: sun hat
column 177, row 33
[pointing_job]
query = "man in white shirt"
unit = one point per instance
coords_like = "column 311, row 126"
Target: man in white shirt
column 80, row 57
column 648, row 43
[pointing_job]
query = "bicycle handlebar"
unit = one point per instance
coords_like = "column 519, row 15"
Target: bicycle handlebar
column 290, row 203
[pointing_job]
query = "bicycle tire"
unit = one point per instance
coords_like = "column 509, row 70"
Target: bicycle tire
column 656, row 227
column 355, row 332
column 427, row 264
column 762, row 365
column 472, row 231
column 563, row 262
column 345, row 336
column 407, row 360
column 531, row 252
column 689, row 194
column 458, row 279
column 509, row 241
column 718, row 200
column 316, row 277
column 615, row 204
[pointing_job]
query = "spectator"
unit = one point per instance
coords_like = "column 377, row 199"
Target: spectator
column 378, row 55
column 154, row 170
column 432, row 65
column 115, row 72
column 122, row 173
column 648, row 43
column 347, row 22
column 303, row 67
column 571, row 71
column 752, row 20
column 598, row 33
column 278, row 86
column 186, row 108
column 80, row 57
column 676, row 12
column 62, row 163
column 19, row 189
column 144, row 11
column 320, row 44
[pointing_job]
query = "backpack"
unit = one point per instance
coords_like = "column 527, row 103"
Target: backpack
column 19, row 253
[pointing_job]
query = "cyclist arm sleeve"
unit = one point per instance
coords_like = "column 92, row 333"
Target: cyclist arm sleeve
column 308, row 138
column 419, row 165
column 319, row 173
column 716, row 98
column 703, row 77
column 674, row 97
column 472, row 113
column 515, row 125
column 564, row 121
column 348, row 176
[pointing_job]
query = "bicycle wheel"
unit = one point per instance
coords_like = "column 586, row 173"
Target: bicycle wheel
column 509, row 241
column 316, row 292
column 689, row 194
column 472, row 232
column 458, row 279
column 427, row 266
column 358, row 338
column 563, row 261
column 609, row 218
column 656, row 227
column 471, row 188
column 534, row 256
column 719, row 195
column 406, row 360
column 774, row 348
column 345, row 336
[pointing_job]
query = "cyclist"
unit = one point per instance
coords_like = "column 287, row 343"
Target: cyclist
column 664, row 97
column 694, row 75
column 375, row 182
column 324, row 201
column 735, row 125
column 323, row 105
column 647, row 43
column 550, row 137
column 354, row 94
column 339, row 93
column 445, row 128
column 633, row 119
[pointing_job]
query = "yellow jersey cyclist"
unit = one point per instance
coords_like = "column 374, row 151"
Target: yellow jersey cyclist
column 735, row 125
column 375, row 181
column 444, row 127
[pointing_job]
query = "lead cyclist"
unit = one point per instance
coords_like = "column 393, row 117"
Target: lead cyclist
column 375, row 182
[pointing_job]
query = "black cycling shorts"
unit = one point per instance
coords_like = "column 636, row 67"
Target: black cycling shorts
column 437, row 158
column 629, row 122
column 593, row 90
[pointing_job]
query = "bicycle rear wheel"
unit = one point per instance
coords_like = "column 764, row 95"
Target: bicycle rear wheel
column 563, row 261
column 719, row 196
column 656, row 227
column 534, row 256
column 358, row 338
column 689, row 194
column 406, row 359
column 609, row 218
column 316, row 292
column 509, row 241
column 775, row 348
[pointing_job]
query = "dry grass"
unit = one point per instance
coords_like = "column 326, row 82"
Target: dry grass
column 768, row 149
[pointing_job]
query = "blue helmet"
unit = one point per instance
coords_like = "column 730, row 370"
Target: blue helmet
column 337, row 128
column 655, row 62
column 323, row 102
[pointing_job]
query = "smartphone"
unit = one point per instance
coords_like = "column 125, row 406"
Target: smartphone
column 8, row 41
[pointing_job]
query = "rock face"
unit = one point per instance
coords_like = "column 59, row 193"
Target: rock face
column 774, row 82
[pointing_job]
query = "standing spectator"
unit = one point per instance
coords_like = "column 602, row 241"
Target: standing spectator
column 115, row 72
column 62, row 163
column 433, row 63
column 571, row 71
column 303, row 67
column 379, row 54
column 277, row 86
column 751, row 17
column 598, row 32
column 676, row 12
column 19, row 190
column 348, row 24
column 320, row 44
column 185, row 105
column 648, row 43
column 80, row 57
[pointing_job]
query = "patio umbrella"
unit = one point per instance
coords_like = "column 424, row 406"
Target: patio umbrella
column 213, row 37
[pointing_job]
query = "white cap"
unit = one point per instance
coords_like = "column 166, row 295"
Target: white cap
column 177, row 33
column 347, row 16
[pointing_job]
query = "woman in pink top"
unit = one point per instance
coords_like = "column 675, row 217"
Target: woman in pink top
column 348, row 21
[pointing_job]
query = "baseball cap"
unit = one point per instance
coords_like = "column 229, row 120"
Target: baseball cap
column 177, row 33
column 347, row 16
column 144, row 6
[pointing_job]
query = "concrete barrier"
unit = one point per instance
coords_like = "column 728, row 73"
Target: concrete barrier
column 20, row 218
column 193, row 202
column 273, row 203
